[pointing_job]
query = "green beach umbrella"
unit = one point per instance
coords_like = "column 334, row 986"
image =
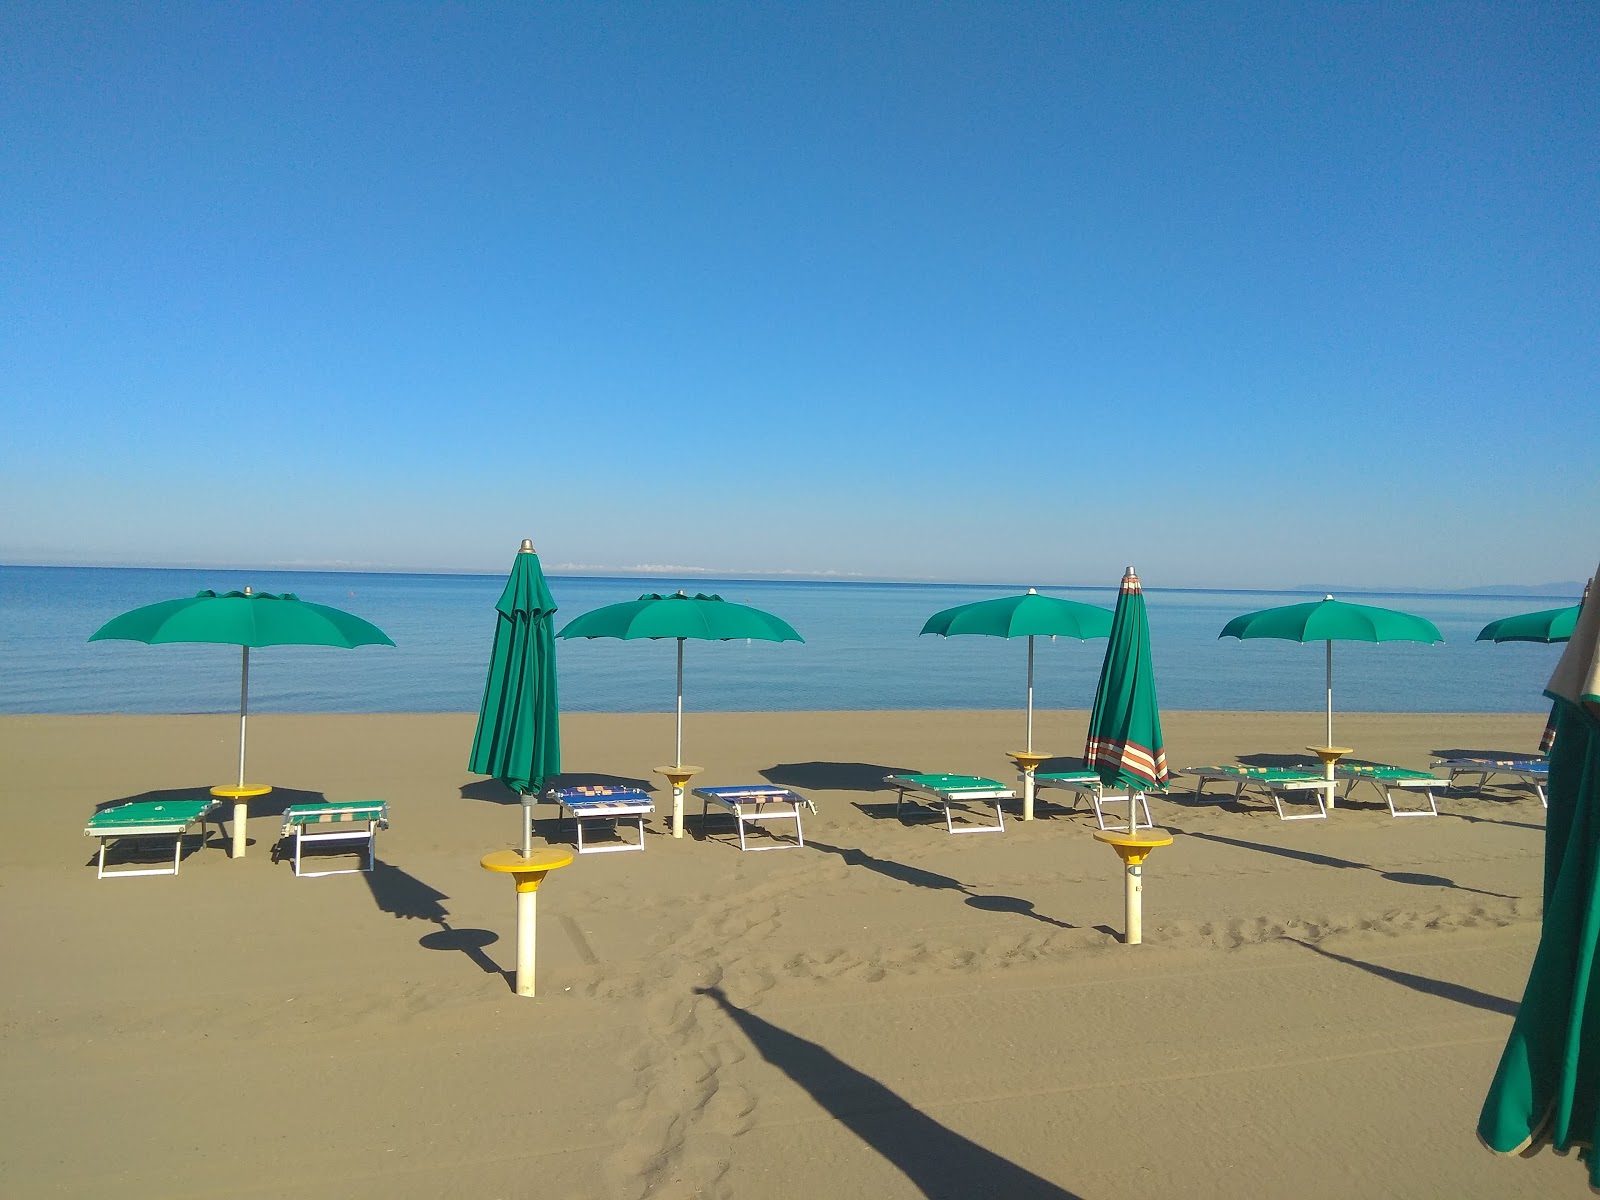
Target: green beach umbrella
column 518, row 740
column 1550, row 625
column 1030, row 615
column 1329, row 620
column 1546, row 1090
column 680, row 616
column 249, row 619
column 1125, row 744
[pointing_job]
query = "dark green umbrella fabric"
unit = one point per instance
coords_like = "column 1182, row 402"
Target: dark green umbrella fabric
column 1029, row 615
column 1548, row 625
column 1329, row 620
column 1125, row 744
column 680, row 616
column 248, row 619
column 518, row 739
column 1546, row 1090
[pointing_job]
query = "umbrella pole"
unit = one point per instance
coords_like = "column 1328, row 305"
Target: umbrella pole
column 677, row 756
column 1030, row 693
column 1328, row 764
column 240, row 807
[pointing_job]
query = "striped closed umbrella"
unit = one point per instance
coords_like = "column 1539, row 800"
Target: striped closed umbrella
column 1125, row 745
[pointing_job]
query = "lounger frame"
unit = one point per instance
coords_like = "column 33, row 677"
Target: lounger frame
column 356, row 823
column 1279, row 789
column 1387, row 784
column 753, row 804
column 1087, row 783
column 154, row 828
column 602, row 803
column 955, row 796
column 1528, row 771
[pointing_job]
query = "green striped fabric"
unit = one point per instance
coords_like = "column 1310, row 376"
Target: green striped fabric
column 1380, row 771
column 327, row 814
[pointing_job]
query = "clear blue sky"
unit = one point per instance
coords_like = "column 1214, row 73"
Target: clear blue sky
column 1240, row 295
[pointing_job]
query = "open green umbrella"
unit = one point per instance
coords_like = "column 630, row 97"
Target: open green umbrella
column 1030, row 615
column 1546, row 1090
column 1549, row 625
column 518, row 739
column 249, row 619
column 1329, row 620
column 680, row 616
column 1125, row 745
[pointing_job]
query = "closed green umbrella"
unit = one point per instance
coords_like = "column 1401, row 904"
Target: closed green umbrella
column 1546, row 1090
column 1125, row 745
column 248, row 619
column 1030, row 615
column 1329, row 620
column 518, row 739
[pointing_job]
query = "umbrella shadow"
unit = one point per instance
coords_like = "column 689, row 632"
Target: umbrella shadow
column 1488, row 755
column 1414, row 878
column 918, row 877
column 937, row 1160
column 471, row 943
column 1460, row 993
column 599, row 779
column 834, row 776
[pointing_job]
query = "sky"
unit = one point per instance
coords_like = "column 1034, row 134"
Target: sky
column 1245, row 296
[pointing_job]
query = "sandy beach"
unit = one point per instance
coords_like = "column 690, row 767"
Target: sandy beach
column 890, row 1012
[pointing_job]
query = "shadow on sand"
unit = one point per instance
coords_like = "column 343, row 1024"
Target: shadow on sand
column 917, row 877
column 834, row 776
column 941, row 1163
column 1414, row 878
column 1421, row 983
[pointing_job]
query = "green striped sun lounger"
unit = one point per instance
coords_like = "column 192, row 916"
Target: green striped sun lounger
column 148, row 819
column 947, row 791
column 1387, row 779
column 1280, row 783
column 1088, row 783
column 355, row 822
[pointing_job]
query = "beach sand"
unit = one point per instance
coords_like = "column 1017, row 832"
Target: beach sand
column 891, row 1012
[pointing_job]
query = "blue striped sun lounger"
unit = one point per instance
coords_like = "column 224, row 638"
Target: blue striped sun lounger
column 1387, row 779
column 754, row 803
column 1088, row 783
column 1532, row 771
column 355, row 822
column 947, row 791
column 149, row 819
column 607, row 804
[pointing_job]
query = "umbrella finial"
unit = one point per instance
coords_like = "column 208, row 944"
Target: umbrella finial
column 248, row 590
column 527, row 546
column 1329, row 596
column 1033, row 591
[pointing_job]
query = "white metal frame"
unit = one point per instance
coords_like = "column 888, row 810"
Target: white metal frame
column 1098, row 796
column 954, row 796
column 1425, row 784
column 1456, row 767
column 599, row 808
column 761, row 797
column 354, row 827
column 173, row 829
column 1278, row 789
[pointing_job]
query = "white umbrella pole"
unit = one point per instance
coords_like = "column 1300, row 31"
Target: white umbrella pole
column 240, row 807
column 527, row 927
column 1030, row 693
column 677, row 752
column 1329, row 742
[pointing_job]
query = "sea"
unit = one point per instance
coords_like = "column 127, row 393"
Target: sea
column 862, row 650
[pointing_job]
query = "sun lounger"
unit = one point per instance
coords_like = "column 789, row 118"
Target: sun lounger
column 1280, row 783
column 754, row 803
column 958, row 790
column 1533, row 771
column 603, row 803
column 1387, row 779
column 1088, row 783
column 355, row 822
column 149, row 819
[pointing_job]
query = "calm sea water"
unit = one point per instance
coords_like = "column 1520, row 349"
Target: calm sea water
column 862, row 651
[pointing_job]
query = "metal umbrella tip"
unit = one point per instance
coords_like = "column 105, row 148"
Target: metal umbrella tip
column 1328, row 597
column 527, row 546
column 248, row 590
column 1033, row 591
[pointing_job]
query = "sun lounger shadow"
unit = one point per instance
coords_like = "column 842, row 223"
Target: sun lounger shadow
column 1327, row 860
column 939, row 1162
column 833, row 776
column 1422, row 983
column 403, row 895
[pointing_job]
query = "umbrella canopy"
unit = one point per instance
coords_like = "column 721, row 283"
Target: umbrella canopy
column 680, row 616
column 1029, row 615
column 1550, row 625
column 518, row 740
column 1546, row 1090
column 1125, row 744
column 248, row 619
column 1329, row 620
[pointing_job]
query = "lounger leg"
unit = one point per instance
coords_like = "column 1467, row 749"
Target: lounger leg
column 298, row 831
column 799, row 836
column 738, row 816
column 578, row 821
column 1320, row 815
column 372, row 846
column 101, row 872
column 177, row 852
